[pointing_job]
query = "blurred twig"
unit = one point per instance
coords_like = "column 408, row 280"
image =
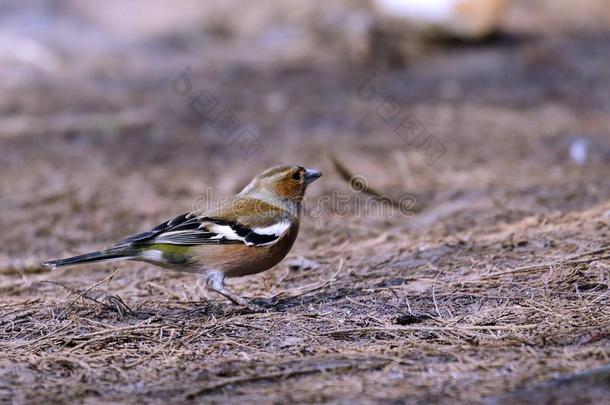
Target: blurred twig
column 349, row 177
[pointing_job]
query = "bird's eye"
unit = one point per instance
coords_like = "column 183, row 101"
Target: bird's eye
column 296, row 176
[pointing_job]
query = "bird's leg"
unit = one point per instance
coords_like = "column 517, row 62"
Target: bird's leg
column 215, row 282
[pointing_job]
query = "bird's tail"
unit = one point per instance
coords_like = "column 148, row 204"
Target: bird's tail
column 101, row 256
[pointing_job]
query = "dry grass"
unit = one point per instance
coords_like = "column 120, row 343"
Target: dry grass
column 452, row 320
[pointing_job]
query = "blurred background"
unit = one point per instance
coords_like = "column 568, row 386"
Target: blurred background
column 127, row 110
column 493, row 115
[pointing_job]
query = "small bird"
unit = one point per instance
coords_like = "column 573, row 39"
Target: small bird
column 245, row 234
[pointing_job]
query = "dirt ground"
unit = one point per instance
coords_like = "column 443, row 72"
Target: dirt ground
column 494, row 290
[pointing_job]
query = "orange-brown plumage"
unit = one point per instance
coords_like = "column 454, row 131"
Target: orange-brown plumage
column 243, row 260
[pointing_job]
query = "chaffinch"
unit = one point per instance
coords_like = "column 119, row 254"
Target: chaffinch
column 246, row 234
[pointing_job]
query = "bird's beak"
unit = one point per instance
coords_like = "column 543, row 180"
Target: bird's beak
column 311, row 175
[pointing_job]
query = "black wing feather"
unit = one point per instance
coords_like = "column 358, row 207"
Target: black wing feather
column 191, row 230
column 183, row 221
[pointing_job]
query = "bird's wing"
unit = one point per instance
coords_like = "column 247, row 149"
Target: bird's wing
column 239, row 221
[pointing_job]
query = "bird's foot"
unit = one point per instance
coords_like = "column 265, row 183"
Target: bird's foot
column 254, row 307
column 250, row 305
column 265, row 303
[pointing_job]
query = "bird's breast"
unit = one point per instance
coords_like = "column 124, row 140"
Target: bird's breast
column 242, row 260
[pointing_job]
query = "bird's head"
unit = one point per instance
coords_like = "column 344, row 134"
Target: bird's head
column 283, row 182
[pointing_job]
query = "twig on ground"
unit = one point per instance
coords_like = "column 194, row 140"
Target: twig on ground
column 349, row 177
column 83, row 294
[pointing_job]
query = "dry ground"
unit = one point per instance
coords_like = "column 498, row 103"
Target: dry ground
column 496, row 292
